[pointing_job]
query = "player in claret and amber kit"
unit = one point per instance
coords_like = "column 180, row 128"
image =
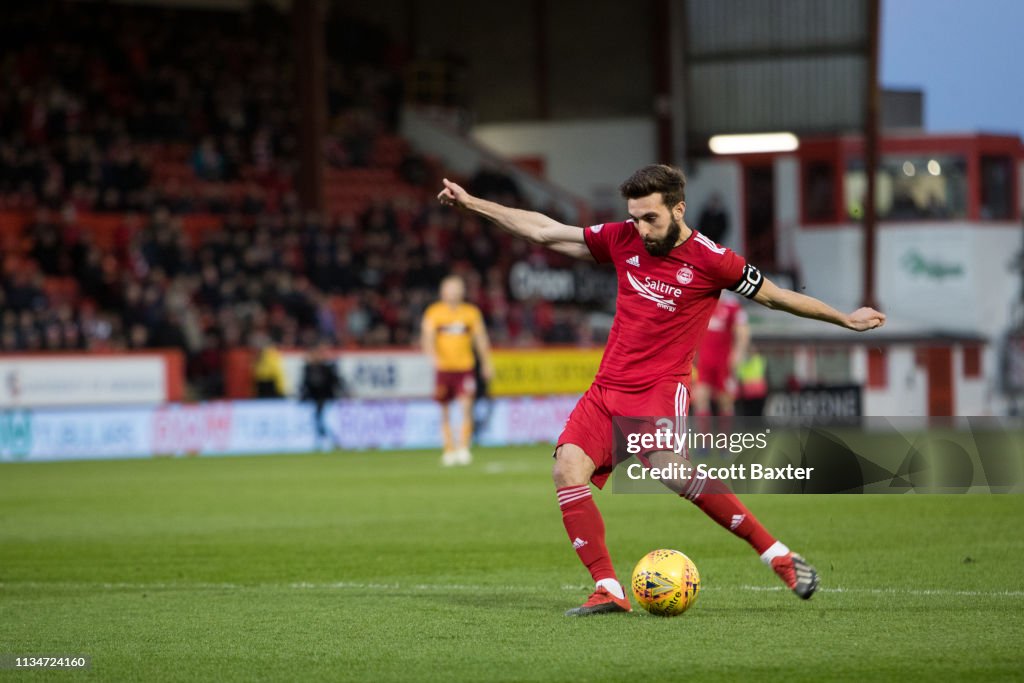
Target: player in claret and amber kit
column 452, row 330
column 670, row 277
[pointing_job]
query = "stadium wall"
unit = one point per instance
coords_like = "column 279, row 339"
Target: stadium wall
column 570, row 155
column 594, row 171
column 898, row 375
column 435, row 136
column 904, row 384
column 909, row 384
column 939, row 278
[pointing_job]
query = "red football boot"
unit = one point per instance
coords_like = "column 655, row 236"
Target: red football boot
column 601, row 602
column 797, row 573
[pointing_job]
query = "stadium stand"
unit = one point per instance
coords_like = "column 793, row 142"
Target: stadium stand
column 146, row 195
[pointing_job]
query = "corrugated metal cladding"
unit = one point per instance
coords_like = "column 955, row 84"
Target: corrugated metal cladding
column 727, row 26
column 761, row 65
column 801, row 94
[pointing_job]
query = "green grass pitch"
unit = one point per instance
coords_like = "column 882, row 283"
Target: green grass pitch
column 385, row 567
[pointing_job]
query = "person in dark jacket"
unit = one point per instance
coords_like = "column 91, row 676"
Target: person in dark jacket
column 714, row 221
column 321, row 384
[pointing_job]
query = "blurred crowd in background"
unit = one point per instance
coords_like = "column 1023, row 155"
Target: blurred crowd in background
column 92, row 95
column 157, row 116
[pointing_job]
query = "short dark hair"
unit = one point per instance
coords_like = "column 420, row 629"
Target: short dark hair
column 668, row 180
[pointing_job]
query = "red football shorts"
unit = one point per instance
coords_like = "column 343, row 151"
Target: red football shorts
column 450, row 385
column 590, row 423
column 717, row 374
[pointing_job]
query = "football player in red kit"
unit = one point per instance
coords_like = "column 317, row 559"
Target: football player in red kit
column 721, row 350
column 670, row 277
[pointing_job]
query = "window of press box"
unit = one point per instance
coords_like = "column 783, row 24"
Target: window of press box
column 996, row 188
column 910, row 188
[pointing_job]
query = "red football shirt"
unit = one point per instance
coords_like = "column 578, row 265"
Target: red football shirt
column 716, row 345
column 663, row 303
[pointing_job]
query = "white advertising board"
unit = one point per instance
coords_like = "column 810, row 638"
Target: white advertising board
column 79, row 380
column 372, row 374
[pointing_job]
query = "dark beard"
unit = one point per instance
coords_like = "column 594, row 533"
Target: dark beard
column 667, row 243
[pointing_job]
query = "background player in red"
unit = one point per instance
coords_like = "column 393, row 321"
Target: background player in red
column 722, row 348
column 670, row 277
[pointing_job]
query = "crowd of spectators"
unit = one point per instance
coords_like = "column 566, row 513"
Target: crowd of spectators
column 95, row 97
column 95, row 93
column 286, row 278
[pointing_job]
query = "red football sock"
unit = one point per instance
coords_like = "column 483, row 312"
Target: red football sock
column 583, row 522
column 720, row 504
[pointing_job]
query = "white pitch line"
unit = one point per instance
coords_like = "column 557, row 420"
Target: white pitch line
column 897, row 591
column 427, row 587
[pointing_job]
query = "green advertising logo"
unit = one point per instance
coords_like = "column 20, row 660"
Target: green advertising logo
column 15, row 434
column 917, row 265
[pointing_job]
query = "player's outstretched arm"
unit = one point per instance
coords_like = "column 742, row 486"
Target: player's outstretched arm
column 805, row 306
column 530, row 225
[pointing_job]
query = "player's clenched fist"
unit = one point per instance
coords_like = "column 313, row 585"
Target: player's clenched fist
column 452, row 194
column 865, row 319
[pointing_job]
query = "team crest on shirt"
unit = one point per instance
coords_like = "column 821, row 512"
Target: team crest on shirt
column 684, row 275
column 596, row 228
